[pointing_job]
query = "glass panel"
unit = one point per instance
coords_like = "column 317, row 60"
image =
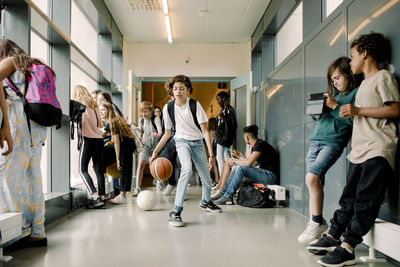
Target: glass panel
column 78, row 77
column 241, row 107
column 83, row 33
column 331, row 5
column 43, row 5
column 40, row 49
column 290, row 35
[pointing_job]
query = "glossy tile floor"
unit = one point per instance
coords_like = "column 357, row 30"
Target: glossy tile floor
column 123, row 235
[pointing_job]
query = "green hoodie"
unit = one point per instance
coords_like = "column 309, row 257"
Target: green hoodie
column 331, row 129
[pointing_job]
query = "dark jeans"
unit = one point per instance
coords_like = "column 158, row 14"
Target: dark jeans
column 126, row 161
column 108, row 159
column 92, row 149
column 361, row 199
column 169, row 152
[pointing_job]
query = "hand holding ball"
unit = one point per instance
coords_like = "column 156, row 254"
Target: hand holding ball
column 161, row 169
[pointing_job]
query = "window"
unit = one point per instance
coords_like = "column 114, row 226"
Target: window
column 331, row 5
column 290, row 35
column 40, row 49
column 43, row 5
column 83, row 33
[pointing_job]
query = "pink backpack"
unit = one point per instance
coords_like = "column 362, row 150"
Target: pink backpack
column 40, row 101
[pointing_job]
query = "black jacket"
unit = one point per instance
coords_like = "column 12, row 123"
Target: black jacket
column 226, row 128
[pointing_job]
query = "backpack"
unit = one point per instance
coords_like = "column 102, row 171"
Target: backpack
column 255, row 196
column 40, row 101
column 76, row 110
column 137, row 137
column 193, row 110
column 226, row 130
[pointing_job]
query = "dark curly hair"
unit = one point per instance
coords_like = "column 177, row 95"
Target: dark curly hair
column 251, row 130
column 169, row 85
column 376, row 45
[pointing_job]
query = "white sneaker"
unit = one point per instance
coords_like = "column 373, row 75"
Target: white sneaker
column 118, row 200
column 169, row 189
column 313, row 231
column 215, row 193
column 136, row 191
column 159, row 186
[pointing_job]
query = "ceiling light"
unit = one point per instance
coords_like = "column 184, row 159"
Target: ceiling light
column 165, row 6
column 203, row 12
column 168, row 25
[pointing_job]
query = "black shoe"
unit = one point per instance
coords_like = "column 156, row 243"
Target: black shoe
column 96, row 204
column 324, row 245
column 26, row 242
column 174, row 219
column 210, row 206
column 339, row 257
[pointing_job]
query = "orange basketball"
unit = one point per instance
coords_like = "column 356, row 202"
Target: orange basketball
column 161, row 169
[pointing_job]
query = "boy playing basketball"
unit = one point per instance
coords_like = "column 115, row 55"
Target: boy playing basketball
column 190, row 129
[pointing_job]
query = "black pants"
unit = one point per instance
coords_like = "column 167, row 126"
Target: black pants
column 126, row 162
column 109, row 158
column 361, row 199
column 92, row 148
column 169, row 152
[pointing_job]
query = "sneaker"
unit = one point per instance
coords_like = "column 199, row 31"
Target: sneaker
column 324, row 245
column 174, row 219
column 154, row 181
column 210, row 206
column 118, row 200
column 136, row 191
column 159, row 186
column 224, row 201
column 215, row 193
column 96, row 204
column 337, row 258
column 216, row 196
column 313, row 231
column 168, row 190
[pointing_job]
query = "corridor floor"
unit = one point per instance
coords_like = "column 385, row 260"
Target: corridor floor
column 123, row 235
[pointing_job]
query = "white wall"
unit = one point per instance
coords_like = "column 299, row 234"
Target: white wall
column 205, row 60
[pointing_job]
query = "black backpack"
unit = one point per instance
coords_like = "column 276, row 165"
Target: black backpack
column 76, row 110
column 193, row 110
column 255, row 196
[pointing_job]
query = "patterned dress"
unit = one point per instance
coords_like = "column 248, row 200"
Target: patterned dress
column 20, row 174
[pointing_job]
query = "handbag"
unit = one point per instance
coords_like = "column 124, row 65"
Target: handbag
column 76, row 110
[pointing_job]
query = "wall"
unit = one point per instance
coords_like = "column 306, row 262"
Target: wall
column 205, row 60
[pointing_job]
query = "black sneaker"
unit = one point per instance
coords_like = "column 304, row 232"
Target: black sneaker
column 210, row 206
column 174, row 219
column 339, row 257
column 96, row 204
column 324, row 245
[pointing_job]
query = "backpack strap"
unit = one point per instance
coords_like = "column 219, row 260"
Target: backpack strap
column 171, row 112
column 154, row 124
column 193, row 110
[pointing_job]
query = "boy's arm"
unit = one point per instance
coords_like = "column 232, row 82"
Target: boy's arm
column 249, row 161
column 389, row 110
column 206, row 135
column 161, row 144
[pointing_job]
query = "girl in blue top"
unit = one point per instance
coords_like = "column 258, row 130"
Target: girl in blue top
column 328, row 140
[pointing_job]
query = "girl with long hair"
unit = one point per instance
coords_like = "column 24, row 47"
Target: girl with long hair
column 124, row 146
column 103, row 97
column 92, row 146
column 20, row 174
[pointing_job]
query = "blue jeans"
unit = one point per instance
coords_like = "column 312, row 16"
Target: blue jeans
column 187, row 151
column 222, row 154
column 320, row 158
column 256, row 175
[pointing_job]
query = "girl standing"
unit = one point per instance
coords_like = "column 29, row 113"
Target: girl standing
column 329, row 138
column 124, row 145
column 92, row 147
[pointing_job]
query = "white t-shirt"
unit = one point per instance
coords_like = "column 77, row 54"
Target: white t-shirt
column 184, row 122
column 374, row 137
column 148, row 131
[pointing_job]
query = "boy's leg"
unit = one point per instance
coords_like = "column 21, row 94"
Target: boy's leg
column 371, row 189
column 227, row 155
column 201, row 163
column 220, row 158
column 185, row 156
column 344, row 214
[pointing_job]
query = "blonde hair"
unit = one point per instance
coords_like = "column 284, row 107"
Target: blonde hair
column 81, row 94
column 146, row 105
column 117, row 125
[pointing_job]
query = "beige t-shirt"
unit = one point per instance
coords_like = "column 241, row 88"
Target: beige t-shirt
column 375, row 137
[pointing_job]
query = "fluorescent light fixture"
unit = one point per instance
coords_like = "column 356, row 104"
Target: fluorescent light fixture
column 168, row 25
column 165, row 7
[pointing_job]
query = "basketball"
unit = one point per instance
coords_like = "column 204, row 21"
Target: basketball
column 161, row 169
column 112, row 170
column 146, row 200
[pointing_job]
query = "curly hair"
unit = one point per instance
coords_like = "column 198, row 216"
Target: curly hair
column 342, row 64
column 146, row 105
column 169, row 85
column 376, row 45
